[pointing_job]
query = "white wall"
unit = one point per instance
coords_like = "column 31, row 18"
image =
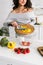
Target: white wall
column 37, row 3
column 5, row 8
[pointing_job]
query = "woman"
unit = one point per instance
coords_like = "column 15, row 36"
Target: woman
column 22, row 13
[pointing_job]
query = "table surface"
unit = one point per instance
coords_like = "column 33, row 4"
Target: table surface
column 33, row 57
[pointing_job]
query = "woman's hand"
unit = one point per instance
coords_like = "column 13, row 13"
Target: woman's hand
column 14, row 24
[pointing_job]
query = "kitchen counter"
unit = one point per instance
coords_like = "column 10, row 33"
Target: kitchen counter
column 9, row 57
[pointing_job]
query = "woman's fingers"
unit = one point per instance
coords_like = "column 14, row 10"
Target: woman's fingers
column 14, row 24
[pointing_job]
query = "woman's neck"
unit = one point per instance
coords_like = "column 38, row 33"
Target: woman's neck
column 21, row 8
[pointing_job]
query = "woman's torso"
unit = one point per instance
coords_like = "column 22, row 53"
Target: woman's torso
column 22, row 17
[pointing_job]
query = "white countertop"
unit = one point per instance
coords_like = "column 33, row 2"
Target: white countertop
column 33, row 58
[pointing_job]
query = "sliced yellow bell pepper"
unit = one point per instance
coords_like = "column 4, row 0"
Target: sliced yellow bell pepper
column 29, row 30
column 23, row 26
column 11, row 45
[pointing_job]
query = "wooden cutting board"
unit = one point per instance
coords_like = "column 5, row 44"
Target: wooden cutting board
column 40, row 50
column 29, row 29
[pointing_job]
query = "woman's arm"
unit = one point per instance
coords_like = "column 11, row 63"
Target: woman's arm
column 10, row 21
column 33, row 18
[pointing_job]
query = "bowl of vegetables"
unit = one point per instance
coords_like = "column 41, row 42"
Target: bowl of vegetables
column 25, row 29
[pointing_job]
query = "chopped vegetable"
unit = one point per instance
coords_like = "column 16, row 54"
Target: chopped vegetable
column 11, row 45
column 4, row 41
column 1, row 32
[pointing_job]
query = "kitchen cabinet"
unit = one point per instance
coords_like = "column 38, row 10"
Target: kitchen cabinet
column 38, row 32
column 41, row 32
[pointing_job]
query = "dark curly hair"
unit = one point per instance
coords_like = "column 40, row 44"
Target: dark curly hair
column 16, row 4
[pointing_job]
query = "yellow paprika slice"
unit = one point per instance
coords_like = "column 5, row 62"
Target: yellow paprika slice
column 11, row 45
column 29, row 30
